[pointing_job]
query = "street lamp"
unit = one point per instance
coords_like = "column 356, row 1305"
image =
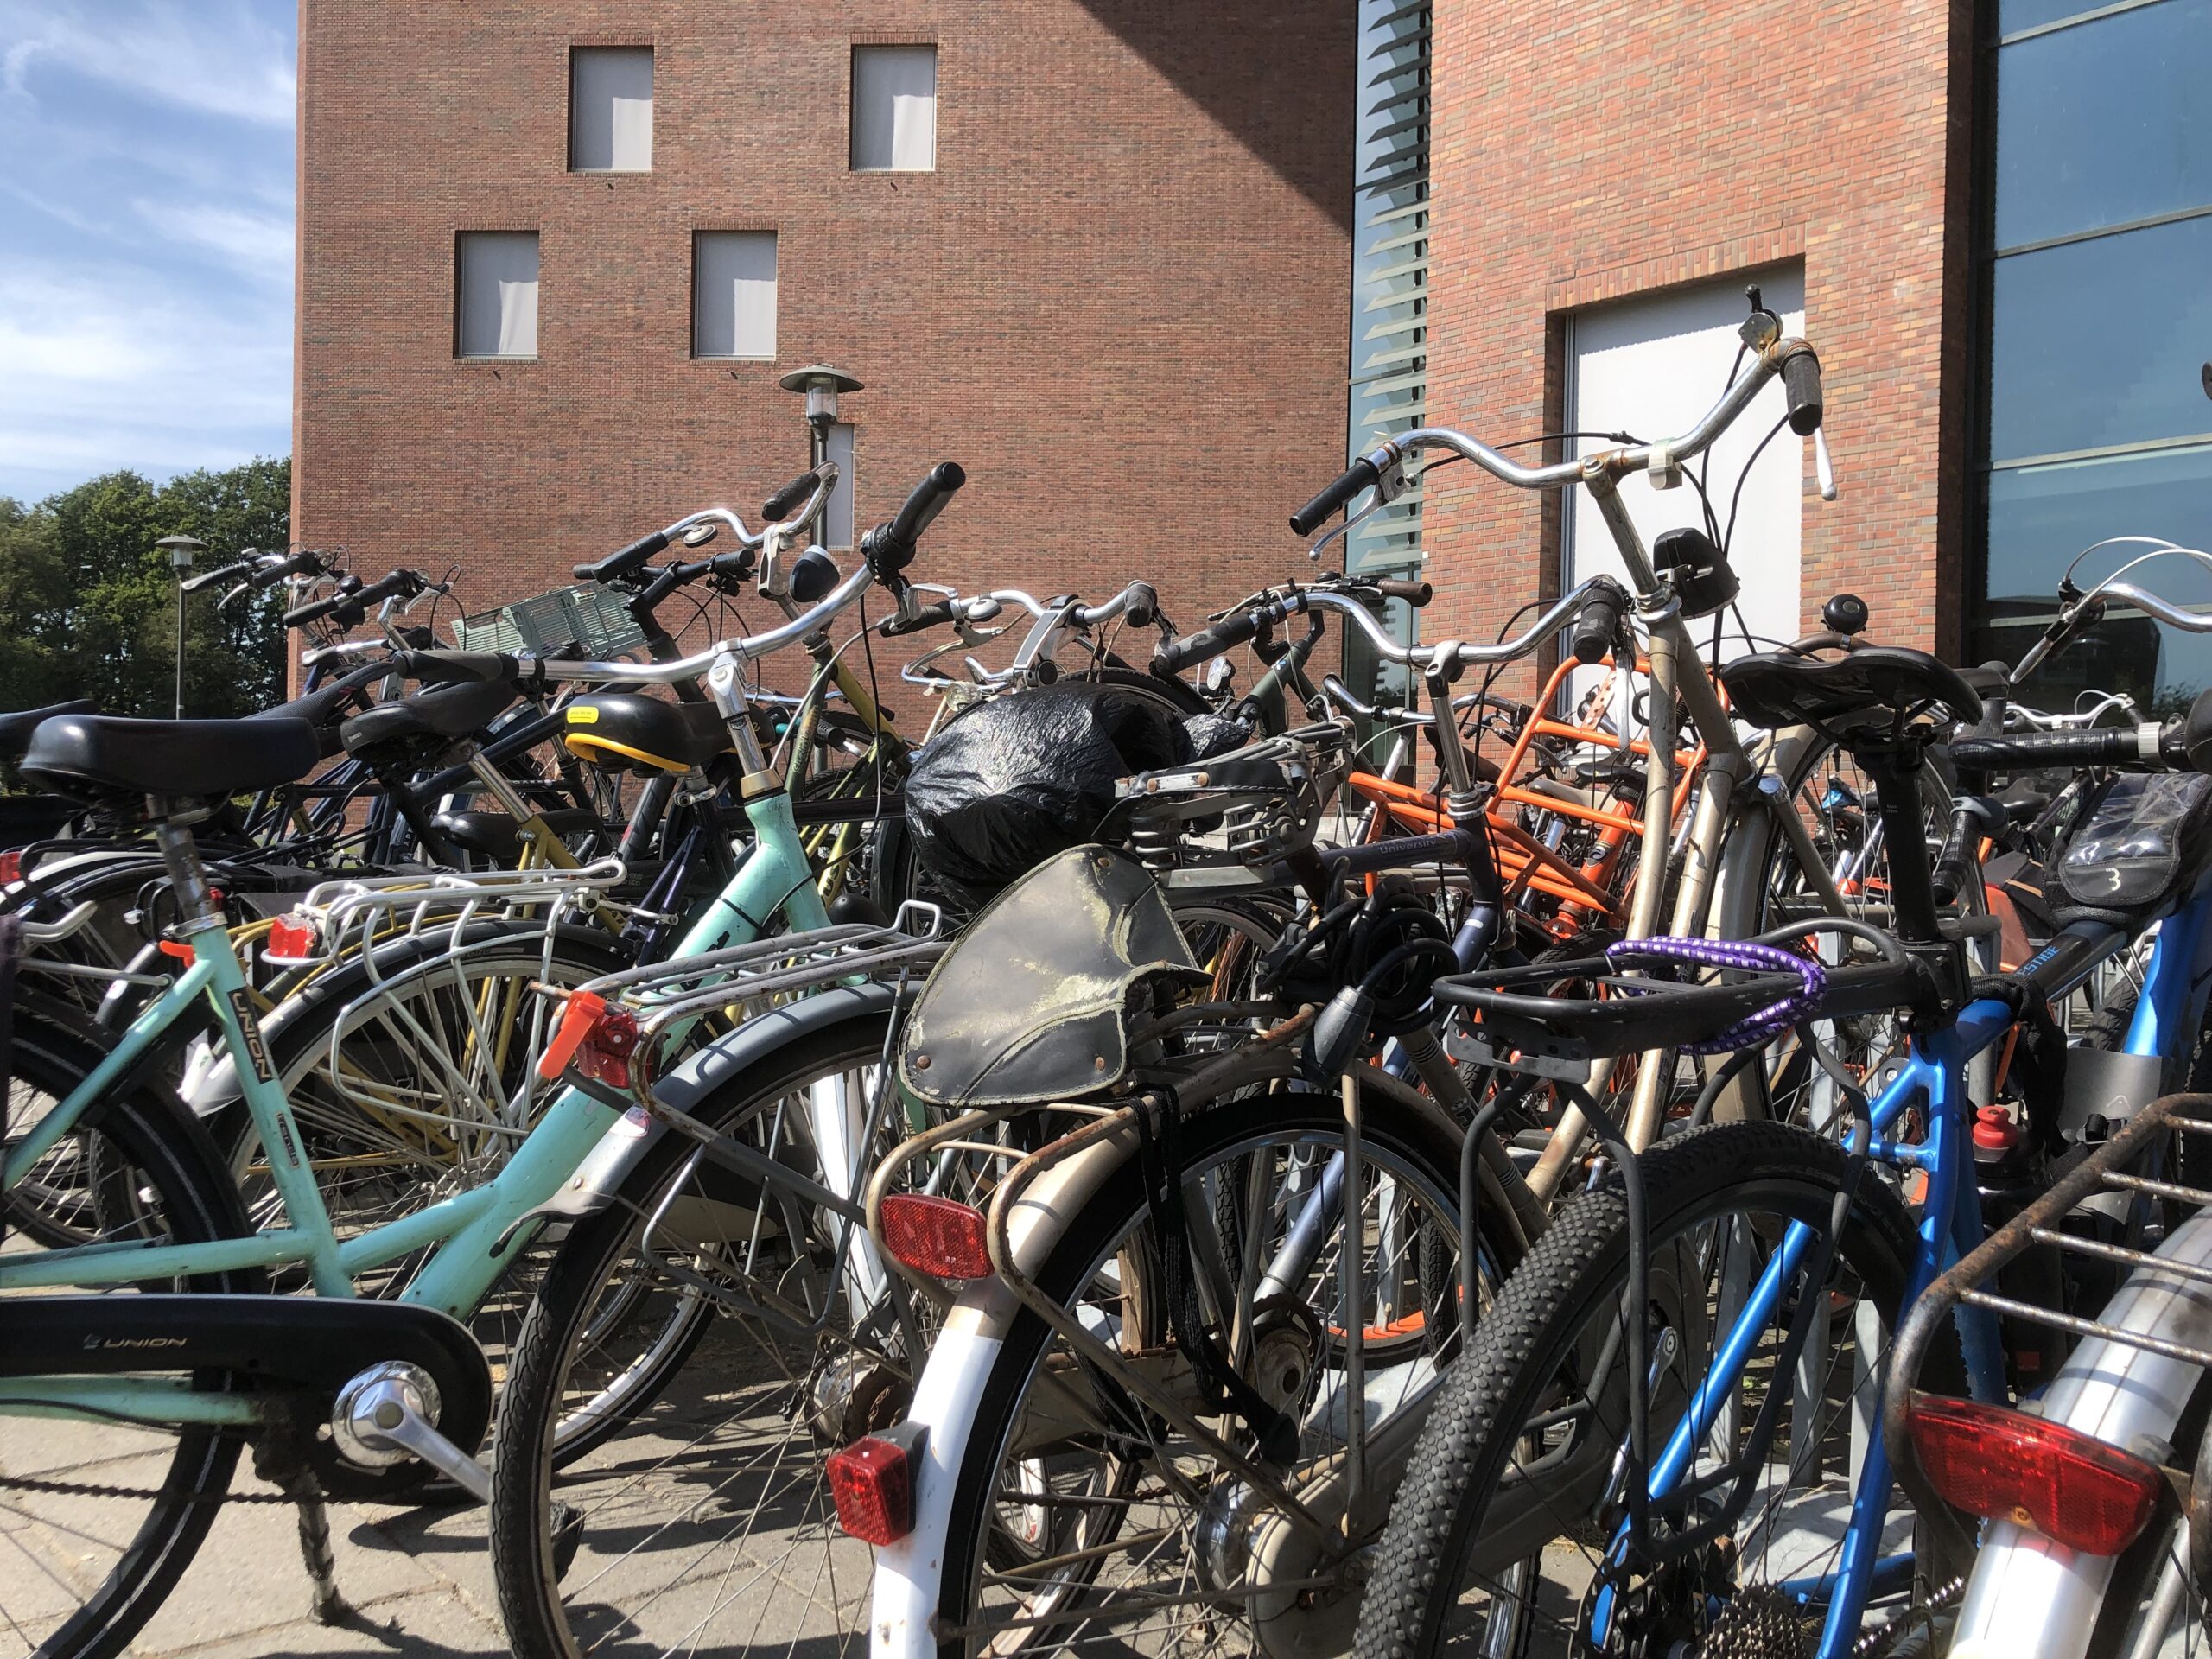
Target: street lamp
column 181, row 550
column 821, row 384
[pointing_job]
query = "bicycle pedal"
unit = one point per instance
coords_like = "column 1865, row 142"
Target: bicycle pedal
column 568, row 1537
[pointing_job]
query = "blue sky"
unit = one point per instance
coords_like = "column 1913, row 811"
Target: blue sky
column 145, row 236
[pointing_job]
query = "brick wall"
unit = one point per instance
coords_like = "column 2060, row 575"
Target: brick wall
column 1588, row 153
column 1119, row 301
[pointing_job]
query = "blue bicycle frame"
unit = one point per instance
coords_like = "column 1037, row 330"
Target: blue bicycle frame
column 2168, row 1012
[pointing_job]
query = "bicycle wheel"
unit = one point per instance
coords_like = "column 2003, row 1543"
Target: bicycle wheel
column 701, row 1497
column 1519, row 1467
column 1079, row 1517
column 85, row 1570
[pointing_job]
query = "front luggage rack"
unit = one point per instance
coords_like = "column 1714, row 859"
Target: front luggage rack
column 2108, row 1171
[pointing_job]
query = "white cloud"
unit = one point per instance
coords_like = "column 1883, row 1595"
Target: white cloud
column 118, row 368
column 219, row 60
column 258, row 244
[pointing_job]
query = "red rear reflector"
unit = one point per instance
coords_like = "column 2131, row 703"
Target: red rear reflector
column 2007, row 1466
column 596, row 1040
column 291, row 938
column 12, row 866
column 936, row 1236
column 873, row 1482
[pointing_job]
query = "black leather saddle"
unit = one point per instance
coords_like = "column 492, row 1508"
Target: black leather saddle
column 626, row 730
column 95, row 757
column 325, row 710
column 497, row 837
column 15, row 730
column 1874, row 686
column 438, row 715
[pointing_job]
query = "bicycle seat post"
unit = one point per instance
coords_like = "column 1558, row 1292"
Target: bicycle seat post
column 196, row 905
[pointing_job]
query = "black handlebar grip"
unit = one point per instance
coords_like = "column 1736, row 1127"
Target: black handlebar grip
column 299, row 564
column 1415, row 593
column 1597, row 627
column 786, row 500
column 315, row 609
column 2106, row 746
column 209, row 578
column 622, row 562
column 457, row 667
column 929, row 616
column 1362, row 474
column 1450, row 846
column 1206, row 643
column 1144, row 605
column 1800, row 384
column 928, row 500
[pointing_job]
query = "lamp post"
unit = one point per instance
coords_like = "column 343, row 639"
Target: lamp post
column 821, row 384
column 181, row 549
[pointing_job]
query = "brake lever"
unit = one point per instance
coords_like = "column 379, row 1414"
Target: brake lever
column 1823, row 468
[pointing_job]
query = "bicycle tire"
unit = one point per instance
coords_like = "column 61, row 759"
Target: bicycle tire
column 1469, row 1443
column 169, row 1159
column 1417, row 1138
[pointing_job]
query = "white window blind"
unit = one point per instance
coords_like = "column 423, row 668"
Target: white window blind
column 734, row 294
column 610, row 109
column 837, row 518
column 894, row 108
column 496, row 305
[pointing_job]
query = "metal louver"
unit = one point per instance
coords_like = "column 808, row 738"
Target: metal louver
column 1389, row 322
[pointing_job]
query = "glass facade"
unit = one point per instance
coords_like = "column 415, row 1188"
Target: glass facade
column 2100, row 318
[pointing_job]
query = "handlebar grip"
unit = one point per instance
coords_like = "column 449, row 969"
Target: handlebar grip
column 1597, row 627
column 929, row 616
column 1144, row 605
column 1415, row 593
column 2107, row 746
column 457, row 667
column 315, row 609
column 299, row 564
column 620, row 564
column 1450, row 846
column 1362, row 474
column 1206, row 643
column 209, row 578
column 1801, row 384
column 928, row 500
column 780, row 505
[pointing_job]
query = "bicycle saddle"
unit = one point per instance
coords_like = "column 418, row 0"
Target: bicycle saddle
column 448, row 711
column 1862, row 689
column 15, row 730
column 622, row 729
column 94, row 756
column 325, row 710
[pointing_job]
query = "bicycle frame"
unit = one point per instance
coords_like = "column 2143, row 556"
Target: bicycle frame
column 474, row 1232
column 1933, row 1077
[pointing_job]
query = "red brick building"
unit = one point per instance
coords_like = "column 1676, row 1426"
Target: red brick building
column 1107, row 274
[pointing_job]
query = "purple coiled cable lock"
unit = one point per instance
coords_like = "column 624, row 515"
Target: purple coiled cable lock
column 1754, row 1029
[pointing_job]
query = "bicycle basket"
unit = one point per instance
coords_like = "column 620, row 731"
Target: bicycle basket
column 587, row 617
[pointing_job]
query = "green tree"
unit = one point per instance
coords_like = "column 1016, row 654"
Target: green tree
column 88, row 604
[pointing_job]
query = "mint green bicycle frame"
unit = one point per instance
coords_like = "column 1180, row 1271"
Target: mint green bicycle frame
column 474, row 1231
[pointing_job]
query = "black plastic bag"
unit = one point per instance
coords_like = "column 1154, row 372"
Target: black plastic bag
column 1022, row 777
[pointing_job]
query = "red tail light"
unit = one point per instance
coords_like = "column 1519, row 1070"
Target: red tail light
column 2007, row 1466
column 291, row 938
column 936, row 1236
column 873, row 1482
column 597, row 1039
column 12, row 866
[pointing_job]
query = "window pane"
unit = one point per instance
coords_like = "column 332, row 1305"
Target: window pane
column 894, row 108
column 838, row 517
column 2101, row 343
column 2013, row 15
column 496, row 306
column 2104, row 123
column 734, row 294
column 610, row 109
column 2041, row 516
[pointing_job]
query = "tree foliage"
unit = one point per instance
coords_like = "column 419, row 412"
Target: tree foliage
column 88, row 604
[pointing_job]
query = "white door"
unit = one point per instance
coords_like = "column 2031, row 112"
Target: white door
column 1651, row 366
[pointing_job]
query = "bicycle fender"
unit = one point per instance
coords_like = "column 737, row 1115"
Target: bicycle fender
column 599, row 1178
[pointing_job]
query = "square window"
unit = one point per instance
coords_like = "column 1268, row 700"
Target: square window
column 610, row 109
column 495, row 294
column 894, row 108
column 734, row 294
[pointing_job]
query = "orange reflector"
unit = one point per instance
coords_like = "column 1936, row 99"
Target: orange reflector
column 584, row 1011
column 2007, row 1466
column 873, row 1482
column 936, row 1236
